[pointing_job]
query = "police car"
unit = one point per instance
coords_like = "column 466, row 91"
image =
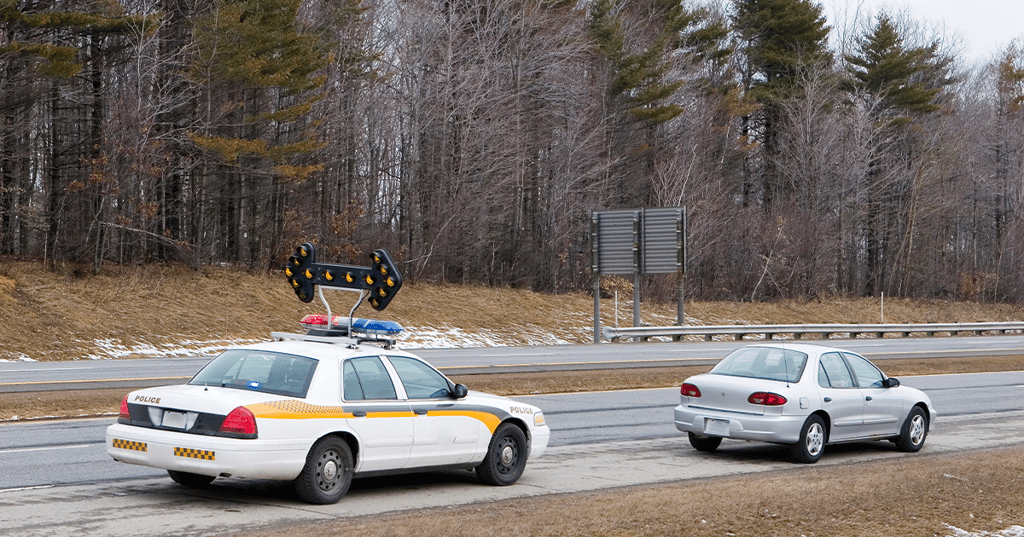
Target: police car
column 321, row 407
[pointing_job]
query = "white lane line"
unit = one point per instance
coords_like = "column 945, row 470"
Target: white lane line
column 37, row 487
column 54, row 369
column 45, row 448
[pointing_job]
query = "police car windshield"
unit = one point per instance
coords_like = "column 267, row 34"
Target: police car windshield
column 261, row 371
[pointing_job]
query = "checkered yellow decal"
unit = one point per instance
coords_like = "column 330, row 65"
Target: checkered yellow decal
column 128, row 444
column 194, row 453
column 291, row 409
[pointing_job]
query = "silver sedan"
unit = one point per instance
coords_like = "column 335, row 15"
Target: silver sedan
column 806, row 396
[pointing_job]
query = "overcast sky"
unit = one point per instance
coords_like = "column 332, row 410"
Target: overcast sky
column 985, row 27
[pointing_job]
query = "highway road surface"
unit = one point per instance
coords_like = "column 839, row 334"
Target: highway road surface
column 58, row 480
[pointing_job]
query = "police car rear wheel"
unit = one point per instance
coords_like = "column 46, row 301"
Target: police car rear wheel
column 328, row 472
column 506, row 456
column 187, row 479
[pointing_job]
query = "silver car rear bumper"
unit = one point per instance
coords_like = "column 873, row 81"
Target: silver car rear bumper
column 775, row 428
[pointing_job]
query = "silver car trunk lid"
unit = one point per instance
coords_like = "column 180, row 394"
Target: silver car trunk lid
column 729, row 394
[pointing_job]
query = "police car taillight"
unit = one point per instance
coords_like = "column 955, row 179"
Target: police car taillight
column 240, row 423
column 124, row 414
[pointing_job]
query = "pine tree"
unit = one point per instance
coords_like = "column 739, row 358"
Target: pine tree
column 780, row 41
column 258, row 73
column 886, row 68
column 638, row 82
column 254, row 57
column 53, row 62
column 895, row 85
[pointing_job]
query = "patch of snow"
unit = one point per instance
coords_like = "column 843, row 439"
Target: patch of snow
column 427, row 337
column 1012, row 531
column 18, row 357
column 112, row 349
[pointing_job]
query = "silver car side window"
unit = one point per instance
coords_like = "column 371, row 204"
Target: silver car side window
column 833, row 373
column 868, row 376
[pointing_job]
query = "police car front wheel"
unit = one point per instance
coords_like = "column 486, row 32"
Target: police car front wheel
column 506, row 456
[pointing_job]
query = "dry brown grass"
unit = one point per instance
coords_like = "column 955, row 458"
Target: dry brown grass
column 912, row 497
column 60, row 316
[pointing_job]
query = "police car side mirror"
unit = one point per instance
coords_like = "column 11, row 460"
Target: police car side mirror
column 460, row 391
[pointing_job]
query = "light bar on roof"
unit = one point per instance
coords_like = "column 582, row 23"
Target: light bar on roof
column 369, row 327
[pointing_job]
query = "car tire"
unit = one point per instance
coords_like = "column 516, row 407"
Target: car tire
column 705, row 443
column 187, row 479
column 913, row 432
column 506, row 456
column 812, row 441
column 327, row 474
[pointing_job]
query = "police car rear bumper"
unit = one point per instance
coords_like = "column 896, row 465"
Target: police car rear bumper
column 206, row 455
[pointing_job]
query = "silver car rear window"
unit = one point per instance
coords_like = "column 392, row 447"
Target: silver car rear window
column 769, row 363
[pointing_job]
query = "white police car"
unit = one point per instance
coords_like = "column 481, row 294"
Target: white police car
column 319, row 409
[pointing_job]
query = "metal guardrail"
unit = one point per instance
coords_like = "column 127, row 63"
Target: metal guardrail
column 798, row 331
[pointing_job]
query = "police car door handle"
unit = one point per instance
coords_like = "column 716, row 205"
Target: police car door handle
column 420, row 411
column 359, row 414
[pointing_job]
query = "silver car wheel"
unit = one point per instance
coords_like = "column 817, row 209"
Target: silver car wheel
column 815, row 440
column 917, row 429
column 914, row 431
column 811, row 444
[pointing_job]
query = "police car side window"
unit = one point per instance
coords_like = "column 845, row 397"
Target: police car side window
column 365, row 378
column 420, row 380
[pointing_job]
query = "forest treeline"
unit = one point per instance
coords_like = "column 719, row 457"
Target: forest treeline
column 473, row 138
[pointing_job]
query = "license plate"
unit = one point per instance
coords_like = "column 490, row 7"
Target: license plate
column 716, row 427
column 174, row 420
